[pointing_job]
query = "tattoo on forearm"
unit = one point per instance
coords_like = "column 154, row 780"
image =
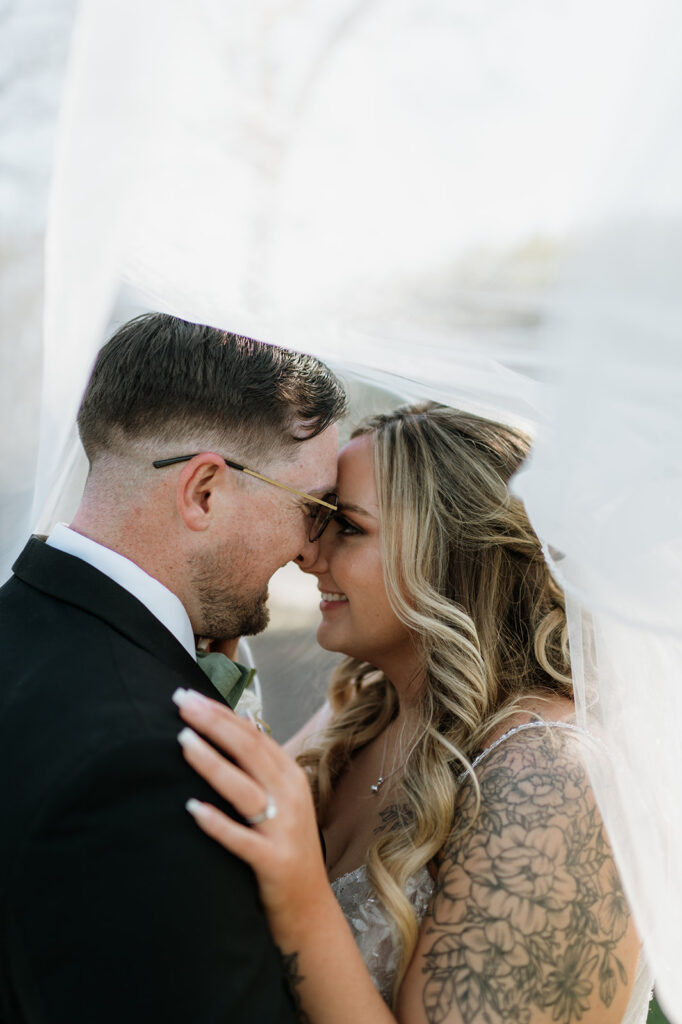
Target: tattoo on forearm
column 294, row 979
column 528, row 910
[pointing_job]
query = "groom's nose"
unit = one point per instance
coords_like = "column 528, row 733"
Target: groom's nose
column 308, row 555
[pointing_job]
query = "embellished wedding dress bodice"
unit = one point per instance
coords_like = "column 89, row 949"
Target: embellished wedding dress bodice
column 374, row 933
column 370, row 926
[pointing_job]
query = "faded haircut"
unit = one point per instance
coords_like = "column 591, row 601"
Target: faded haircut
column 160, row 381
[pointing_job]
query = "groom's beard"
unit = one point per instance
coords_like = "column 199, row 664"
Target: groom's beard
column 226, row 610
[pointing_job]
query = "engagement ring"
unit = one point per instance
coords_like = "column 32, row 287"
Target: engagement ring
column 265, row 815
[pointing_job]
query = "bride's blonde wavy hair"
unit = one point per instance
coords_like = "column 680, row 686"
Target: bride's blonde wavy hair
column 465, row 572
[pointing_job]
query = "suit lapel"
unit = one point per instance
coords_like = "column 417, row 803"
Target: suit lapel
column 70, row 579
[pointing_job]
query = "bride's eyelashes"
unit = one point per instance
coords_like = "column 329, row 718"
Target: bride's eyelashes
column 344, row 527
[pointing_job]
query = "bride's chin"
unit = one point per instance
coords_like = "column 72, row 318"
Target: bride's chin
column 326, row 640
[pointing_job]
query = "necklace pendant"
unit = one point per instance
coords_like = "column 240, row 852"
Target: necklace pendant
column 377, row 785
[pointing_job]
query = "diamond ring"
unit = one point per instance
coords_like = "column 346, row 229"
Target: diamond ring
column 267, row 814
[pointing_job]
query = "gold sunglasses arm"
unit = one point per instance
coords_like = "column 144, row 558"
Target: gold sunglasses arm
column 160, row 463
column 292, row 490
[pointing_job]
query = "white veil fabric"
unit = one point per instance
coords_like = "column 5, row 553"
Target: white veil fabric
column 473, row 202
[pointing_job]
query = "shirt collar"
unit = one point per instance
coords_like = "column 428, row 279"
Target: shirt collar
column 161, row 602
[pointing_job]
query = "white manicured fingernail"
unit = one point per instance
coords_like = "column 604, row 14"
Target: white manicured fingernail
column 197, row 809
column 188, row 738
column 195, row 695
column 190, row 699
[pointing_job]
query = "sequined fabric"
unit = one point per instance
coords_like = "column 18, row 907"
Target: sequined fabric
column 370, row 926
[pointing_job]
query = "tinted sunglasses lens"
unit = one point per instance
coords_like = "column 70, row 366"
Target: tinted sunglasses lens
column 322, row 518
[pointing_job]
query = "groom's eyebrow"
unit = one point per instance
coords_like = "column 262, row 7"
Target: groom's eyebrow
column 322, row 492
column 319, row 492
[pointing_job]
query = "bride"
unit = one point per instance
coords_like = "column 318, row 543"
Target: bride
column 471, row 876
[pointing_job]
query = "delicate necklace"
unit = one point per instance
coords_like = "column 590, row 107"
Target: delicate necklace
column 376, row 786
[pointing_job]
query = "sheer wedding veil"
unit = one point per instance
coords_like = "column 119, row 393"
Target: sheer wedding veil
column 475, row 202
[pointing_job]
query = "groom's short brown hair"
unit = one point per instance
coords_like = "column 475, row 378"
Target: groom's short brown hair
column 161, row 380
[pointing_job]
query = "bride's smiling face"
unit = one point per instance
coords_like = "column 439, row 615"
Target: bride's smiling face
column 357, row 618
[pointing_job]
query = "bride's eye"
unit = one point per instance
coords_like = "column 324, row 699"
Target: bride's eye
column 344, row 527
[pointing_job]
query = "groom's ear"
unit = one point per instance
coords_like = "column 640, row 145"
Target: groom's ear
column 201, row 484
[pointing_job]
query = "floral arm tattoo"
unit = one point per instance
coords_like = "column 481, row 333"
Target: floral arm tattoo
column 528, row 909
column 293, row 979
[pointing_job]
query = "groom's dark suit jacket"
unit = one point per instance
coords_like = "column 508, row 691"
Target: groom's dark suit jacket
column 114, row 906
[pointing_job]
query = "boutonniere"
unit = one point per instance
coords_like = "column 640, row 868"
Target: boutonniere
column 250, row 705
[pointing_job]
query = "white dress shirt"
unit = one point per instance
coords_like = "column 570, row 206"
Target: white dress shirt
column 161, row 602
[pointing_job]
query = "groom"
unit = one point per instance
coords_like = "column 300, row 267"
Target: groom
column 115, row 906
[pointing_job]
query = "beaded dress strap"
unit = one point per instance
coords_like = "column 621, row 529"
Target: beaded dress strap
column 532, row 725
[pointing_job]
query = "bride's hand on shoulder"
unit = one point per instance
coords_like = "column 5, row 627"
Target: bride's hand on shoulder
column 267, row 788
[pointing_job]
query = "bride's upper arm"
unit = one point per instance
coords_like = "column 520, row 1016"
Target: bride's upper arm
column 308, row 733
column 528, row 921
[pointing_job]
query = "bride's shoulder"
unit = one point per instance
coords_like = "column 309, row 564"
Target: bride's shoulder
column 549, row 710
column 527, row 884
